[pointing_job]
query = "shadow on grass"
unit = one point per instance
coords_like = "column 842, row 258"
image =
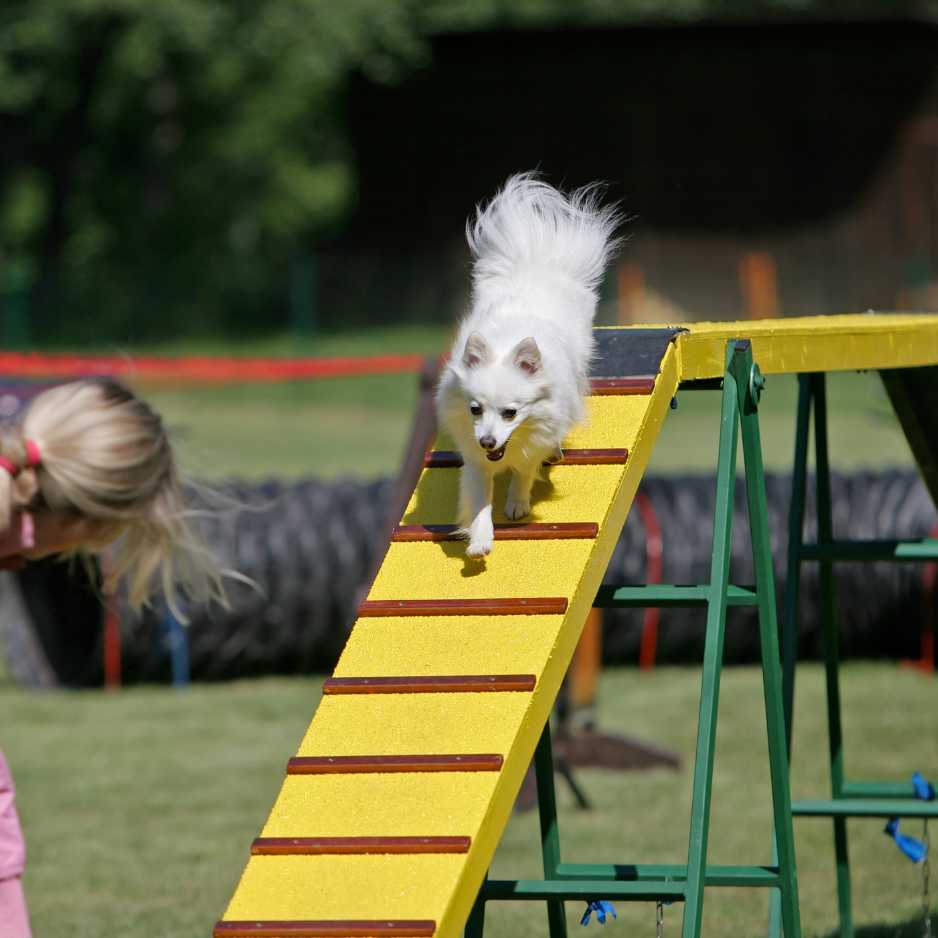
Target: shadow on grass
column 913, row 928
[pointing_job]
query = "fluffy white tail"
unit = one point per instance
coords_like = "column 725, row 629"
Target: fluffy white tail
column 530, row 228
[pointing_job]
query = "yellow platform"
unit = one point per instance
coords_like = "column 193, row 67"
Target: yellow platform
column 435, row 891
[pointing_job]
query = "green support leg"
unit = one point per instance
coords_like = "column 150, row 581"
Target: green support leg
column 825, row 535
column 713, row 656
column 799, row 485
column 550, row 831
column 475, row 924
column 749, row 383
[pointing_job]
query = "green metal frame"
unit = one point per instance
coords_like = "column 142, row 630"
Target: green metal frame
column 848, row 798
column 742, row 386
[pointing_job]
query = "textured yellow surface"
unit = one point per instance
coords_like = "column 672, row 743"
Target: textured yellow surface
column 815, row 343
column 611, row 423
column 421, row 570
column 649, row 420
column 468, row 804
column 349, row 887
column 446, row 644
column 424, row 804
column 403, row 724
column 566, row 493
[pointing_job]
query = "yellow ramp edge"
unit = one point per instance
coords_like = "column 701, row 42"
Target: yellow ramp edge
column 814, row 343
column 443, row 887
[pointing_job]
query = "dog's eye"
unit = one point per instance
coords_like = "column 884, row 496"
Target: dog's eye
column 509, row 413
column 475, row 409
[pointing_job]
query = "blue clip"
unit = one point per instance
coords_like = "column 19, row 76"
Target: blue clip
column 602, row 908
column 924, row 790
column 914, row 849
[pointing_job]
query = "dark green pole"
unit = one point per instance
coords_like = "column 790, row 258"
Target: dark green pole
column 749, row 383
column 799, row 484
column 550, row 830
column 825, row 535
column 713, row 655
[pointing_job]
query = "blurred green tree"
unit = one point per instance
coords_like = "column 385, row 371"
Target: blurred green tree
column 162, row 159
column 165, row 165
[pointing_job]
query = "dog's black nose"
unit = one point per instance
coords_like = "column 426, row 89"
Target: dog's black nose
column 487, row 442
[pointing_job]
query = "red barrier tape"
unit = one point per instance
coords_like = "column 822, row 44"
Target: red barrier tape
column 205, row 368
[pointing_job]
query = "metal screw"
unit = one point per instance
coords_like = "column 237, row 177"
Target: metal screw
column 756, row 383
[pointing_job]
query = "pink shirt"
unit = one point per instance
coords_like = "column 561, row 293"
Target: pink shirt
column 14, row 919
column 12, row 848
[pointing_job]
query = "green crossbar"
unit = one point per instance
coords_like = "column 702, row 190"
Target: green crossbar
column 741, row 388
column 640, row 872
column 667, row 595
column 877, row 790
column 923, row 549
column 864, row 807
column 587, row 889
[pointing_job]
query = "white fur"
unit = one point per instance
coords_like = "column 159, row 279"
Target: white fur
column 538, row 259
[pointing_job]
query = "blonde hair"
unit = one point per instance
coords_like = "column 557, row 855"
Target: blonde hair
column 106, row 458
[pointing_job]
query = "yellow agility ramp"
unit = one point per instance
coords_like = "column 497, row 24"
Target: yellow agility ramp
column 396, row 799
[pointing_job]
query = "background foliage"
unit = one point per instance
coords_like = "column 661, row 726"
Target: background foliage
column 164, row 165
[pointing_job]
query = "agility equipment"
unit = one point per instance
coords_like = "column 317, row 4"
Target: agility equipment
column 395, row 801
column 912, row 393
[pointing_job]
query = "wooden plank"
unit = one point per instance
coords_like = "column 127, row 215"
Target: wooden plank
column 448, row 459
column 636, row 384
column 319, row 846
column 452, row 684
column 337, row 765
column 333, row 928
column 533, row 531
column 538, row 606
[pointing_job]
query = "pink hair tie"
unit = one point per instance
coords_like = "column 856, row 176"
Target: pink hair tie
column 33, row 458
column 9, row 466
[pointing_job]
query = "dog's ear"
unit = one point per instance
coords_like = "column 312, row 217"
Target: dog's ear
column 527, row 356
column 477, row 351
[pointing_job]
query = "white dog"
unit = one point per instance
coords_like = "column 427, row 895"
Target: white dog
column 519, row 368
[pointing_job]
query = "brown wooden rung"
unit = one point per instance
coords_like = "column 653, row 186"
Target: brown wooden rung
column 447, row 459
column 332, row 928
column 540, row 606
column 533, row 531
column 321, row 846
column 449, row 684
column 634, row 384
column 356, row 765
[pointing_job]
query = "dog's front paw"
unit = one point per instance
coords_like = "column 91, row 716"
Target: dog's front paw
column 516, row 509
column 479, row 548
column 481, row 535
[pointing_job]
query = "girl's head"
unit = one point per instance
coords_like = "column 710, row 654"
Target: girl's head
column 106, row 474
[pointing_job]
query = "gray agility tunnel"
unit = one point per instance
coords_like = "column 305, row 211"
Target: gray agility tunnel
column 310, row 547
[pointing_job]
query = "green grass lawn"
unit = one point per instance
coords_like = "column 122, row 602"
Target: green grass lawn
column 359, row 426
column 139, row 806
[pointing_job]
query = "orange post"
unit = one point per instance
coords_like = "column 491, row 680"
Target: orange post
column 758, row 282
column 631, row 293
column 587, row 661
